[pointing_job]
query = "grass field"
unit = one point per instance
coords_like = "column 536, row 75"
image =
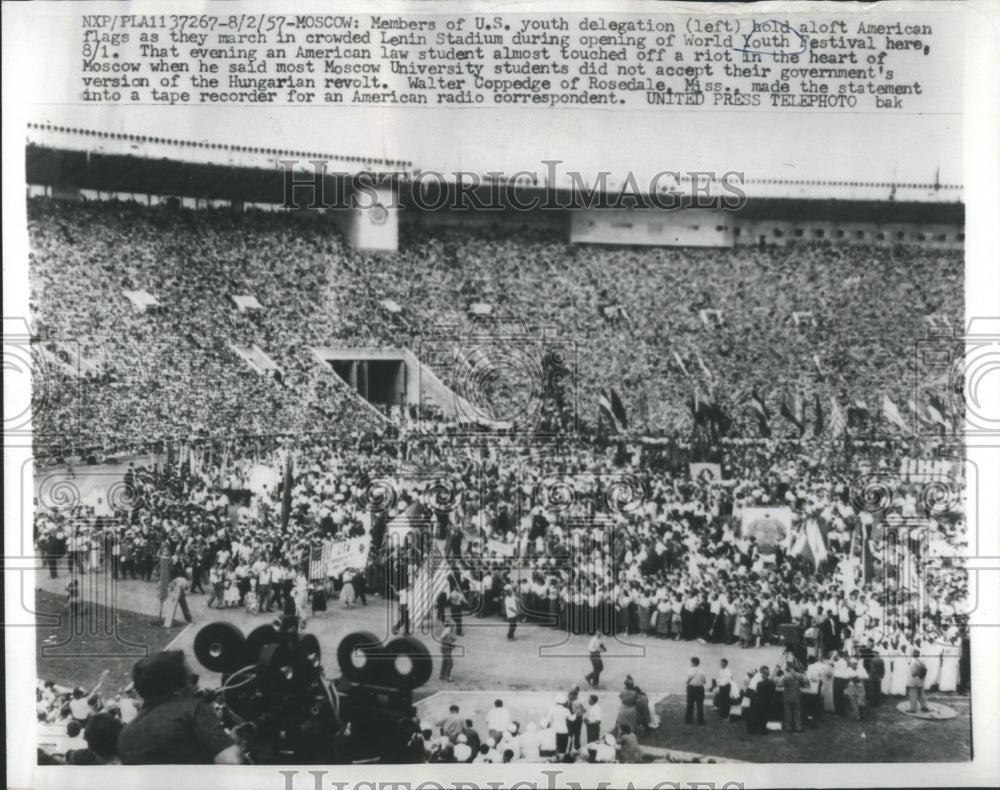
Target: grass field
column 74, row 653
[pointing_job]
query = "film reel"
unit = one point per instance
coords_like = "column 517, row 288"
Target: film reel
column 356, row 656
column 405, row 663
column 221, row 647
column 257, row 639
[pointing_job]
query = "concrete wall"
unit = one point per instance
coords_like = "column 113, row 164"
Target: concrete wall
column 373, row 227
column 782, row 232
column 711, row 228
column 680, row 228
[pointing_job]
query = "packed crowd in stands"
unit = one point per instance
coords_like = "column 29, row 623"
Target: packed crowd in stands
column 611, row 536
column 91, row 721
column 171, row 374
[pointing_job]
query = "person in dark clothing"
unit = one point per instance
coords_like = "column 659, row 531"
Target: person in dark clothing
column 875, row 669
column 704, row 619
column 695, row 685
column 761, row 701
column 828, row 635
column 101, row 735
column 360, row 588
column 47, row 546
column 441, row 605
column 873, row 686
column 575, row 724
column 447, row 641
column 965, row 664
column 411, row 748
column 453, row 545
column 174, row 726
column 456, row 602
column 472, row 738
column 197, row 571
column 791, row 683
column 128, row 558
column 57, row 547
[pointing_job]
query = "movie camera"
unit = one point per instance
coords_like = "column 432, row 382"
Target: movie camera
column 792, row 637
column 275, row 696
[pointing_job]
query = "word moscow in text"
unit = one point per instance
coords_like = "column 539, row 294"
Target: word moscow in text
column 319, row 781
column 311, row 185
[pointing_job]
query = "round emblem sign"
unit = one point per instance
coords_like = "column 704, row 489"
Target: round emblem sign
column 378, row 214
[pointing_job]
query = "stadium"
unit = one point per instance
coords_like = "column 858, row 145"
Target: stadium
column 614, row 433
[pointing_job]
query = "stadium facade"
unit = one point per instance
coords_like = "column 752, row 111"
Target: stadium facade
column 688, row 209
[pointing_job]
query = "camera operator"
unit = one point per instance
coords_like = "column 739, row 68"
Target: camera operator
column 175, row 725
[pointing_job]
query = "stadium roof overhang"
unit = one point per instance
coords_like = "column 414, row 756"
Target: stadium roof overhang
column 135, row 174
column 258, row 177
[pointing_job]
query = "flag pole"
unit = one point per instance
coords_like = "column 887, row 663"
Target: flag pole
column 864, row 555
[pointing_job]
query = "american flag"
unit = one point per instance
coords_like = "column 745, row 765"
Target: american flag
column 318, row 561
column 348, row 554
column 838, row 424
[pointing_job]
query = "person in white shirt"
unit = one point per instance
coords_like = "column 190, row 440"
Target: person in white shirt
column 215, row 582
column 276, row 576
column 546, row 738
column 463, row 752
column 530, row 743
column 262, row 572
column 510, row 612
column 695, row 685
column 854, row 694
column 484, row 755
column 485, row 590
column 126, row 705
column 605, row 750
column 560, row 715
column 79, row 705
column 403, row 603
column 723, row 686
column 814, row 674
column 497, row 720
column 592, row 718
column 595, row 647
column 842, row 674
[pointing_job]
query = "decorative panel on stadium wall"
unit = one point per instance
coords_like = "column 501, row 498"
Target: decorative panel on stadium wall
column 783, row 231
column 372, row 228
column 681, row 228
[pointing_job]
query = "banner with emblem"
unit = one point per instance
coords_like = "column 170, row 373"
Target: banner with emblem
column 700, row 468
column 771, row 526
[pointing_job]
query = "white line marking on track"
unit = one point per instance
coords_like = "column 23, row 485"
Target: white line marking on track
column 183, row 630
